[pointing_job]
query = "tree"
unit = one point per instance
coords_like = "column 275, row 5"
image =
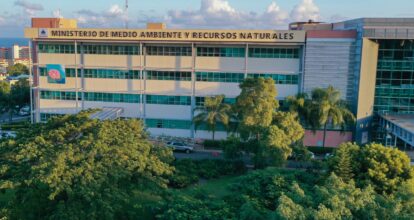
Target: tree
column 326, row 107
column 284, row 131
column 17, row 69
column 288, row 209
column 256, row 105
column 6, row 104
column 344, row 163
column 298, row 104
column 20, row 94
column 73, row 167
column 14, row 97
column 384, row 167
column 213, row 112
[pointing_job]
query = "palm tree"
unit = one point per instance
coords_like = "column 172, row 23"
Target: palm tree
column 326, row 107
column 298, row 105
column 213, row 112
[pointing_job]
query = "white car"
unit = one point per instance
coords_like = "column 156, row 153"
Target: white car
column 24, row 111
column 7, row 134
column 177, row 146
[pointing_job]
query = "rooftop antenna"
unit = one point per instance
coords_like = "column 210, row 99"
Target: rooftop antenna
column 126, row 14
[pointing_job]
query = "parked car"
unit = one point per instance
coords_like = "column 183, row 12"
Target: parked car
column 24, row 111
column 177, row 146
column 7, row 134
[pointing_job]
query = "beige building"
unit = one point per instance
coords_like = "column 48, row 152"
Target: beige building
column 159, row 75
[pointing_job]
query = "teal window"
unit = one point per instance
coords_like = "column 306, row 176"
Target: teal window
column 219, row 77
column 89, row 49
column 168, row 51
column 98, row 73
column 278, row 78
column 57, row 48
column 170, row 124
column 164, row 75
column 200, row 101
column 221, row 52
column 292, row 53
column 168, row 100
column 111, row 74
column 58, row 95
column 111, row 97
column 395, row 77
column 111, row 49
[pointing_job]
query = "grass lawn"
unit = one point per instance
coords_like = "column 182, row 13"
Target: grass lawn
column 215, row 187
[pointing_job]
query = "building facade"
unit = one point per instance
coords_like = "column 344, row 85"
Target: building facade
column 159, row 75
column 162, row 75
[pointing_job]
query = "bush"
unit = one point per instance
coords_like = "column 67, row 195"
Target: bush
column 321, row 150
column 210, row 144
column 188, row 172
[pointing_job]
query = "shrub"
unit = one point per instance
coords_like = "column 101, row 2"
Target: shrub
column 210, row 144
column 321, row 150
column 188, row 172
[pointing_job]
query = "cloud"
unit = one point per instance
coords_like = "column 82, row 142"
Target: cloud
column 114, row 16
column 57, row 14
column 304, row 11
column 29, row 8
column 219, row 13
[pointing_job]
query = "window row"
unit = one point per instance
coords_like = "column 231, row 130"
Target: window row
column 98, row 73
column 274, row 52
column 395, row 65
column 168, row 51
column 168, row 100
column 278, row 78
column 220, row 52
column 111, row 97
column 164, row 75
column 58, row 95
column 199, row 101
column 177, row 51
column 89, row 49
column 219, row 77
column 165, row 123
column 394, row 92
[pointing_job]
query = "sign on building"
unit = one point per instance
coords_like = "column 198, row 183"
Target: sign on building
column 56, row 73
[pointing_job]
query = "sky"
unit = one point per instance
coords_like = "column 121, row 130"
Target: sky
column 195, row 14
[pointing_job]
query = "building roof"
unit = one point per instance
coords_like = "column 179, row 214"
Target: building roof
column 404, row 121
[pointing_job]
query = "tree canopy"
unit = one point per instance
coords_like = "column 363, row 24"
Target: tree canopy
column 17, row 69
column 212, row 113
column 73, row 167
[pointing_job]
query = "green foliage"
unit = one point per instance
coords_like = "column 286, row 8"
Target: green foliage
column 188, row 172
column 199, row 207
column 284, row 131
column 17, row 69
column 213, row 144
column 15, row 97
column 73, row 167
column 344, row 162
column 324, row 107
column 213, row 112
column 232, row 148
column 288, row 209
column 256, row 105
column 384, row 167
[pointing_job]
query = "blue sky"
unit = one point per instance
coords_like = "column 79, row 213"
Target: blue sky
column 232, row 14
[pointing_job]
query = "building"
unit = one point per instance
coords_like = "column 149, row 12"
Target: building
column 161, row 75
